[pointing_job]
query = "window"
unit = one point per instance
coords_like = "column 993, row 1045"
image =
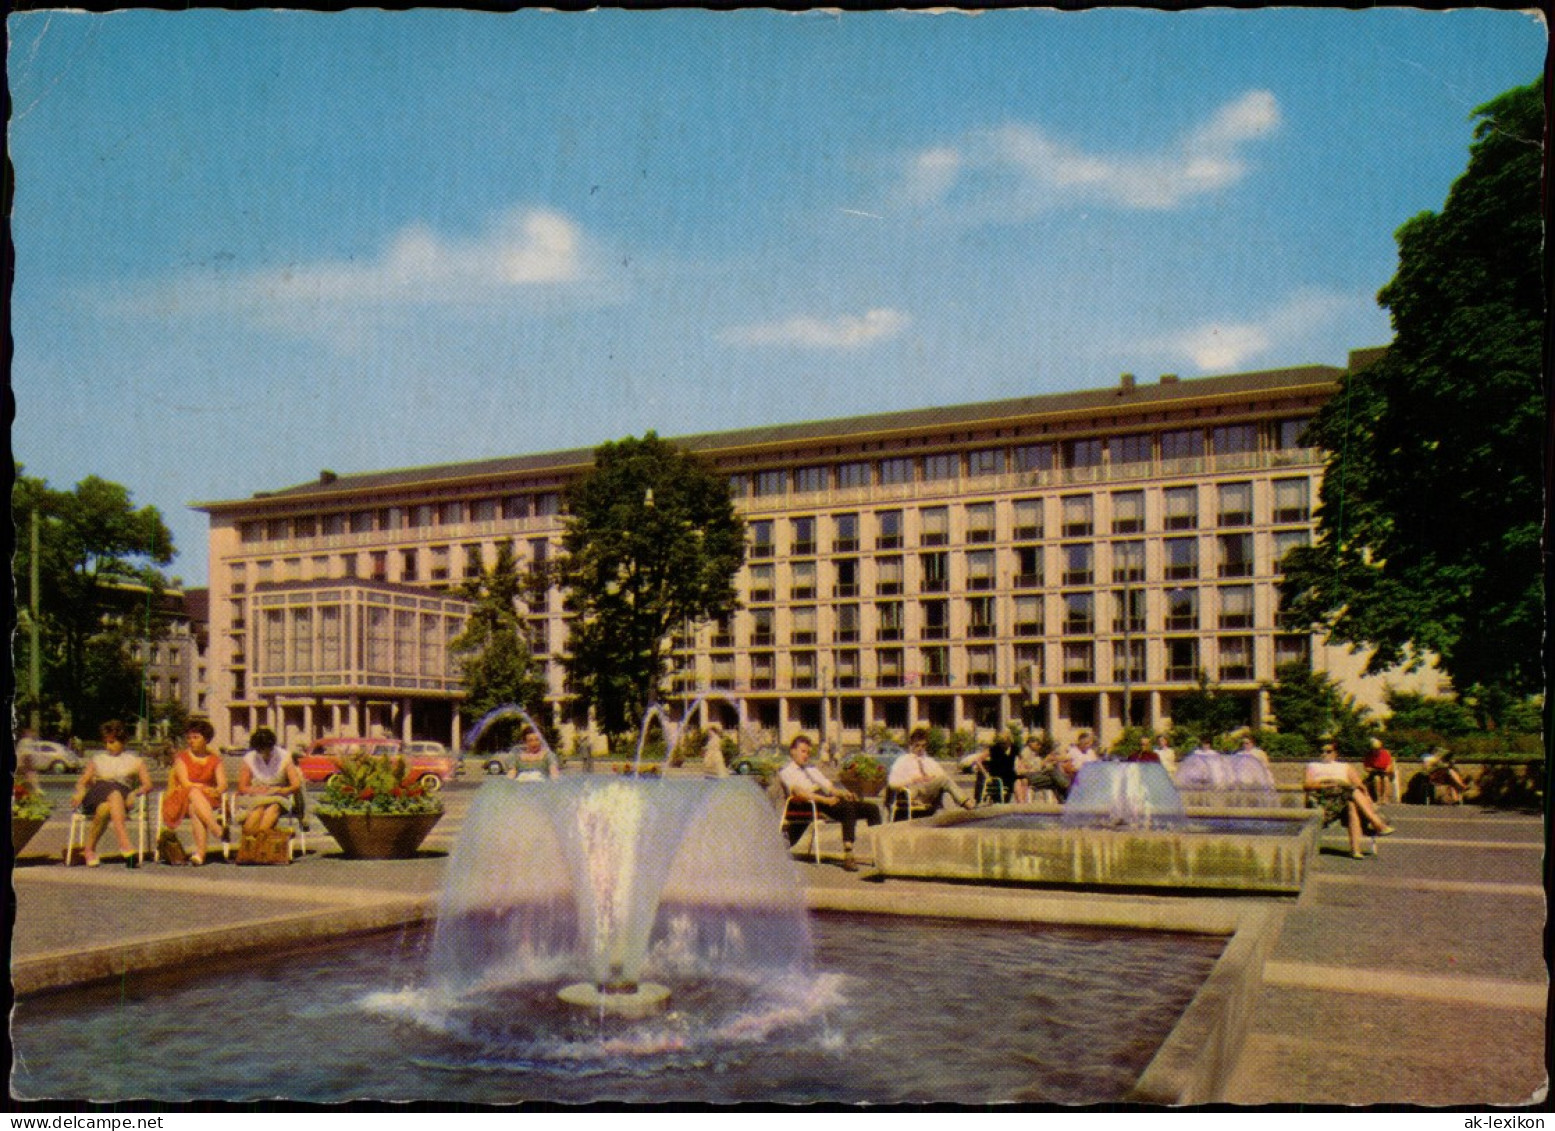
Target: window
column 1182, row 659
column 379, row 640
column 1079, row 663
column 1078, row 513
column 763, row 585
column 380, row 565
column 1182, row 558
column 935, row 666
column 513, row 506
column 1292, row 500
column 408, row 565
column 332, row 524
column 1028, row 665
column 802, row 671
column 888, row 530
column 853, row 475
column 935, row 616
column 810, row 479
column 472, row 560
column 1034, row 457
column 1028, row 519
column 1181, row 507
column 1130, row 606
column 1236, row 555
column 1236, row 504
column 1236, row 606
column 1079, row 564
column 844, row 533
column 980, row 523
column 1079, row 614
column 361, row 522
column 278, row 529
column 1292, row 650
column 847, row 577
column 802, row 625
column 1128, row 661
column 1028, row 616
column 896, row 470
column 768, row 483
column 981, row 621
column 1233, row 439
column 934, row 526
column 847, row 621
column 1182, row 610
column 330, row 656
column 943, row 466
column 1287, row 540
column 980, row 569
column 1130, row 449
column 739, row 486
column 888, row 575
column 888, row 667
column 723, row 671
column 803, row 532
column 935, row 569
column 723, row 635
column 847, row 668
column 1187, row 444
column 1236, row 657
column 980, row 666
column 761, row 539
column 548, row 504
column 763, row 671
column 1288, row 434
column 801, row 581
column 439, row 566
column 1028, row 567
column 1128, row 561
column 761, row 627
column 302, row 640
column 539, row 551
column 1081, row 453
column 888, row 620
column 483, row 510
column 249, row 532
column 304, row 526
column 450, row 514
column 989, row 461
column 291, row 569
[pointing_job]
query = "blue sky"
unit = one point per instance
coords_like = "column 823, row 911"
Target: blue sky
column 253, row 245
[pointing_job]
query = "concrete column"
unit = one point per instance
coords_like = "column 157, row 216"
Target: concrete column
column 354, row 714
column 912, row 712
column 957, row 712
column 456, row 732
column 1261, row 708
column 405, row 727
column 307, row 721
column 1052, row 715
column 1155, row 712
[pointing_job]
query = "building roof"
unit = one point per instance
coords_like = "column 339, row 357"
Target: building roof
column 1127, row 395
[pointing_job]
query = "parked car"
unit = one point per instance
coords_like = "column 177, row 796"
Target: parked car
column 52, row 757
column 323, row 756
column 424, row 749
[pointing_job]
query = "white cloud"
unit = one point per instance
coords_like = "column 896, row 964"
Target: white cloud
column 1228, row 344
column 844, row 332
column 1018, row 169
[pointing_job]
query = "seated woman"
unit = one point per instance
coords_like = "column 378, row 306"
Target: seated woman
column 267, row 782
column 1338, row 790
column 1445, row 779
column 109, row 781
column 195, row 787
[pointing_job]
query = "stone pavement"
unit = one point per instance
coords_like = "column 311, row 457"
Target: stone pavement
column 1417, row 976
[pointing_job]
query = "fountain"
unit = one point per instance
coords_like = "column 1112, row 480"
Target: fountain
column 1137, row 795
column 508, row 711
column 1236, row 780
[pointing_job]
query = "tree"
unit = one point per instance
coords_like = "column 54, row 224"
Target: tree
column 1431, row 507
column 1208, row 712
column 1310, row 706
column 652, row 543
column 495, row 663
column 99, row 590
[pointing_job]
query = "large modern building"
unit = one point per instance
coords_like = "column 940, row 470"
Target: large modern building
column 1070, row 560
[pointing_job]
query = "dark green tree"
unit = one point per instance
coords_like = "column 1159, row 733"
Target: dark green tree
column 99, row 591
column 652, row 543
column 1310, row 706
column 1431, row 507
column 496, row 665
column 1208, row 712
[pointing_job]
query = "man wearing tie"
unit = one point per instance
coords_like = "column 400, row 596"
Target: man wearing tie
column 923, row 778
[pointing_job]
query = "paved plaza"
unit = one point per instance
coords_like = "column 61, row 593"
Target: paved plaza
column 1417, row 976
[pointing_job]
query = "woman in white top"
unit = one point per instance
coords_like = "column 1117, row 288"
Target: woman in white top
column 1340, row 793
column 267, row 781
column 104, row 790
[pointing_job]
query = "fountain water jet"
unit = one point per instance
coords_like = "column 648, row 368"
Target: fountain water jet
column 1136, row 795
column 1234, row 780
column 513, row 710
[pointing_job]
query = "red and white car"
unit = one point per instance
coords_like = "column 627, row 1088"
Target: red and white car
column 324, row 755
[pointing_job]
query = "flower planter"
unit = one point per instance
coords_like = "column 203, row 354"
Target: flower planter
column 23, row 829
column 864, row 785
column 379, row 836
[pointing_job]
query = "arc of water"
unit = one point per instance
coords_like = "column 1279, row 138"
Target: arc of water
column 671, row 734
column 510, row 710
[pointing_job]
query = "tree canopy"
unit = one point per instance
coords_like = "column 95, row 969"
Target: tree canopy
column 1432, row 500
column 652, row 542
column 493, row 653
column 98, row 591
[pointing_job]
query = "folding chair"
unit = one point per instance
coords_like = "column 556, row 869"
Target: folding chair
column 900, row 804
column 81, row 822
column 988, row 789
column 226, row 816
column 795, row 811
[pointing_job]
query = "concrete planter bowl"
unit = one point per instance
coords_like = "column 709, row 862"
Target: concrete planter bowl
column 379, row 836
column 23, row 829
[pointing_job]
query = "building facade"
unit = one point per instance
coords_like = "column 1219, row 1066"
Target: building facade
column 1076, row 560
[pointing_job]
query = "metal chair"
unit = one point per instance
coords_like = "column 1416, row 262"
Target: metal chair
column 226, row 816
column 902, row 804
column 794, row 811
column 988, row 789
column 81, row 821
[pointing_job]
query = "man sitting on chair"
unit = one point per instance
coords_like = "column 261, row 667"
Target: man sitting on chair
column 922, row 778
column 803, row 782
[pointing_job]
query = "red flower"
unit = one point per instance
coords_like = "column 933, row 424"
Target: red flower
column 366, row 794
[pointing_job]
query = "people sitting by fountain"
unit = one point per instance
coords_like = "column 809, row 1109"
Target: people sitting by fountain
column 1058, row 771
column 713, row 752
column 1206, row 749
column 268, row 782
column 1164, row 754
column 194, row 788
column 1247, row 748
column 1446, row 781
column 994, row 767
column 1378, row 765
column 1336, row 788
column 920, row 781
column 803, row 782
column 105, row 788
column 532, row 755
column 1144, row 752
column 1027, row 762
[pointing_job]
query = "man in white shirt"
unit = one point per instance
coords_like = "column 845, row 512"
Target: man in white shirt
column 803, row 782
column 1081, row 752
column 922, row 778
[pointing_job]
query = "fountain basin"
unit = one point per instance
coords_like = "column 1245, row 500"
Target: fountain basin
column 1214, row 849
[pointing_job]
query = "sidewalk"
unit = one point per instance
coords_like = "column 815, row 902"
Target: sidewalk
column 1415, row 977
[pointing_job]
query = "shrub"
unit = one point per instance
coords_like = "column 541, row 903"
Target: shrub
column 375, row 783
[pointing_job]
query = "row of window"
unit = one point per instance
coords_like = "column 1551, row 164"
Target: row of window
column 1139, row 448
column 380, row 520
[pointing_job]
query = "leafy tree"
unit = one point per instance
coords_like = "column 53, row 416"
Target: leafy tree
column 1429, row 523
column 1207, row 712
column 652, row 542
column 98, row 591
column 1411, row 711
column 495, row 663
column 1309, row 705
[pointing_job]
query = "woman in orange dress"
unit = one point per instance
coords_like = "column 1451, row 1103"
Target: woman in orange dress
column 195, row 787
